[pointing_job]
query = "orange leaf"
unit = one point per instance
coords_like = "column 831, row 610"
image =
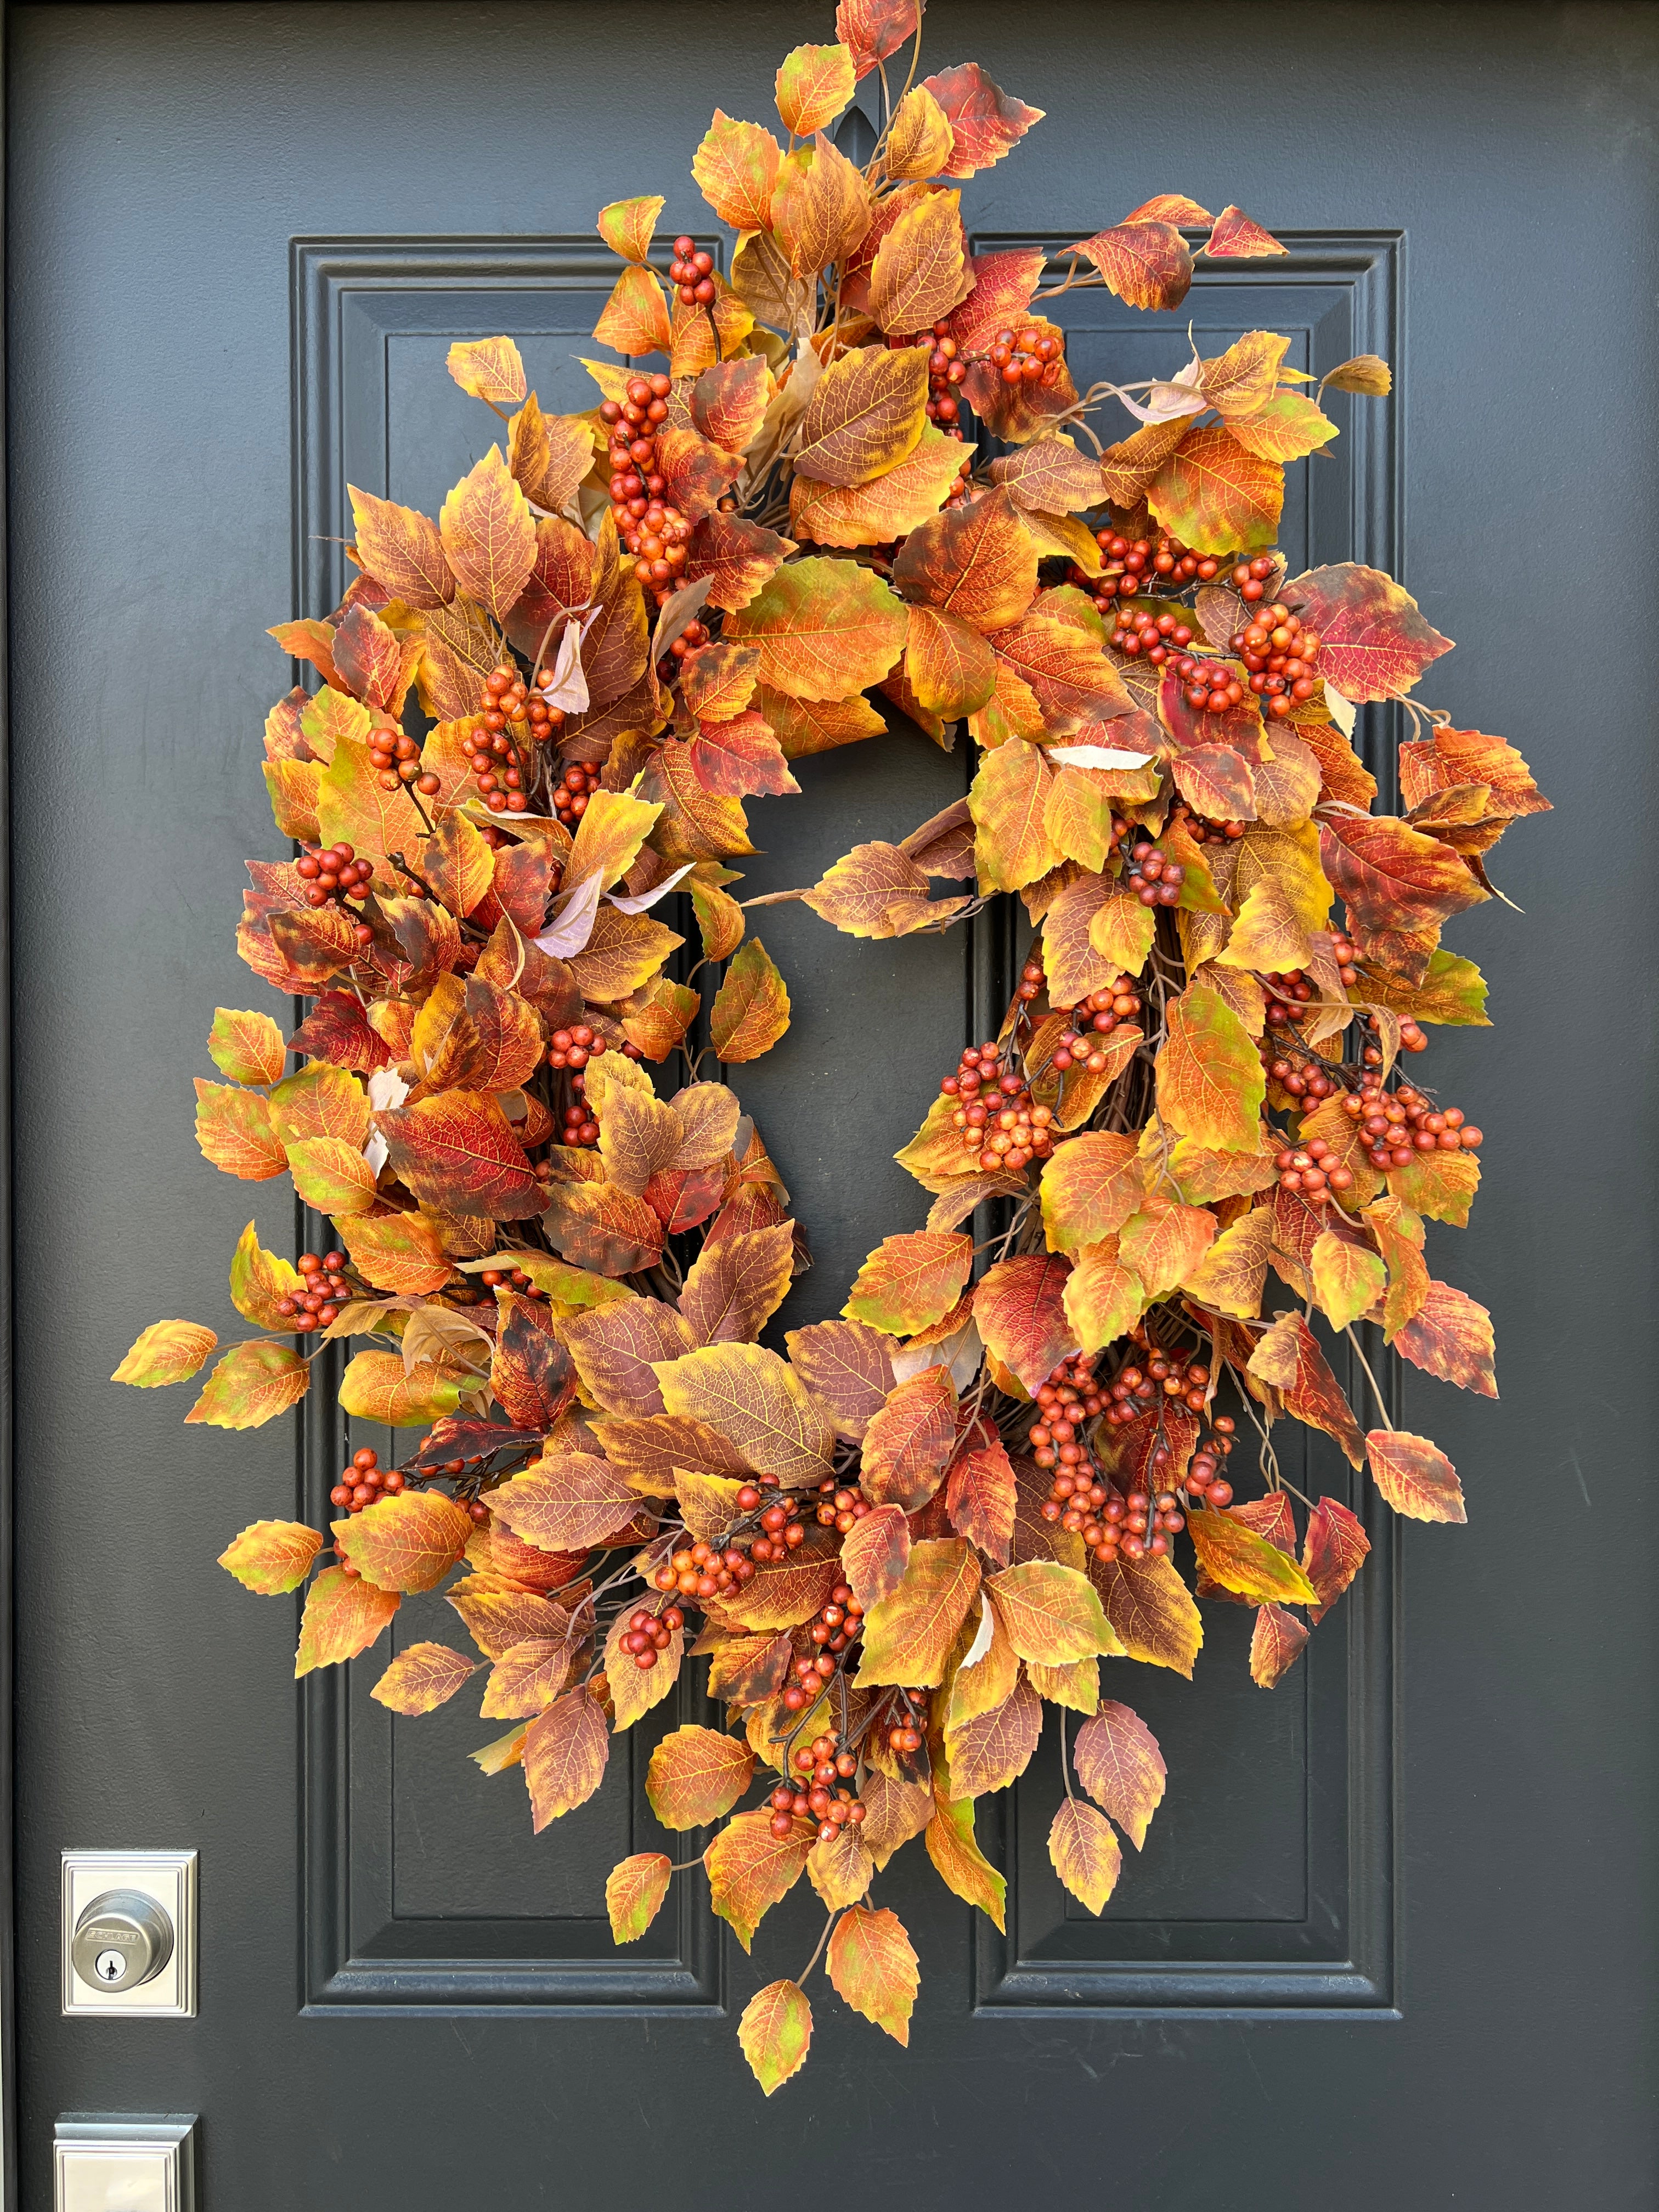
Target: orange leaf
column 696, row 1776
column 271, row 1557
column 251, row 1385
column 422, row 1678
column 820, row 206
column 866, row 412
column 1119, row 1764
column 1399, row 887
column 489, row 369
column 919, row 272
column 634, row 1891
column 343, row 1615
column 750, row 1011
column 1091, row 1186
column 825, row 628
column 401, row 550
column 813, row 86
column 735, row 168
column 1104, row 1296
column 1083, row 1847
column 1049, row 476
column 976, row 562
column 1146, row 264
column 1415, row 1476
column 405, row 1543
column 909, row 1440
column 1152, row 1611
column 1217, row 495
column 1276, row 1644
column 616, row 1348
column 1450, row 1336
column 980, row 1496
column 736, row 1286
column 1009, row 802
column 910, row 1282
column 565, row 1751
column 1210, row 1082
column 986, row 123
column 757, row 1401
column 776, row 2026
column 873, row 1968
column 1333, row 1553
column 909, row 1634
column 1234, row 237
column 1231, row 1275
column 918, row 139
column 887, row 507
column 847, row 1367
column 1289, row 1358
column 994, row 1750
column 871, row 30
column 875, row 1552
column 1051, row 1614
column 565, row 1501
column 750, row 1868
column 488, row 535
column 1019, row 1306
column 234, row 1129
column 627, row 226
column 1373, row 642
column 634, row 318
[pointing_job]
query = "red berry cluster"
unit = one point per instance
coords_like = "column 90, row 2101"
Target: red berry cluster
column 692, row 269
column 324, row 1293
column 1280, row 656
column 783, row 1530
column 1412, row 1039
column 1250, row 577
column 654, row 531
column 647, row 1633
column 580, row 1130
column 1346, row 960
column 510, row 1278
column 1398, row 1126
column 1081, row 1498
column 575, row 1047
column 1201, row 829
column 1000, row 1127
column 1314, row 1170
column 1152, row 876
column 1204, row 1477
column 334, row 874
column 1287, row 989
column 1301, row 1073
column 397, row 758
column 572, row 791
column 1164, row 1380
column 1208, row 686
column 836, row 1628
column 944, row 373
column 825, row 1771
column 1130, row 561
column 363, row 1481
column 1092, row 1018
column 908, row 1731
column 703, row 1569
column 498, row 767
column 1027, row 356
column 840, row 1507
column 1141, row 634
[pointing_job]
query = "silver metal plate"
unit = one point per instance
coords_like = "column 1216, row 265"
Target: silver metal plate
column 117, row 2163
column 169, row 1877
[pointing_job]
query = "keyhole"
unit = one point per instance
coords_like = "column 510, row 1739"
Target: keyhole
column 111, row 1966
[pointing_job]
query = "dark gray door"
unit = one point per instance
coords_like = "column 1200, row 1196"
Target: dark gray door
column 1392, row 1941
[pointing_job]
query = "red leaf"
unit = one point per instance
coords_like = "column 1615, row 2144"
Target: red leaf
column 1333, row 1554
column 985, row 122
column 979, row 1494
column 1234, row 237
column 1020, row 1310
column 1415, row 1476
column 336, row 1030
column 740, row 758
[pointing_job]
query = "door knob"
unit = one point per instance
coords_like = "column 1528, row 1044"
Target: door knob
column 122, row 1939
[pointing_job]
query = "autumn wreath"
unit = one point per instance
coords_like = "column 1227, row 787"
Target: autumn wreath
column 895, row 1543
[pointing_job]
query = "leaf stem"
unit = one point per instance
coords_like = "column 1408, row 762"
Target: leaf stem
column 1381, row 1408
column 822, row 1941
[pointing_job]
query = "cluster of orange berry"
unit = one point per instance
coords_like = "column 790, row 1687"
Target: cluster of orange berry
column 507, row 710
column 1093, row 1018
column 573, row 791
column 648, row 1633
column 1280, row 656
column 1314, row 1170
column 510, row 1278
column 840, row 1507
column 1135, row 1390
column 1203, row 831
column 703, row 1569
column 395, row 757
column 655, row 531
column 837, row 1627
column 364, row 1481
column 823, row 1796
column 324, row 1290
column 1131, row 563
column 1000, row 1127
column 1398, row 1126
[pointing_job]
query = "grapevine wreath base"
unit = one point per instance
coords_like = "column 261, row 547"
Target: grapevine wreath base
column 857, row 465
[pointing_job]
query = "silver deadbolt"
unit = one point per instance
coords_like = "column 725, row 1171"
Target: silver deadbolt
column 122, row 1939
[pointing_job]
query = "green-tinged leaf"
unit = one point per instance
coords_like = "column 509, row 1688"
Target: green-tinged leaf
column 251, row 1384
column 634, row 1892
column 165, row 1352
column 271, row 1556
column 774, row 2031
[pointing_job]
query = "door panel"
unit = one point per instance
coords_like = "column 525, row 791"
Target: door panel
column 1372, row 1897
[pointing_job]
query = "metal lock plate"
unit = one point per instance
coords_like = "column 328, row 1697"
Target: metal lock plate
column 129, row 1933
column 124, row 2165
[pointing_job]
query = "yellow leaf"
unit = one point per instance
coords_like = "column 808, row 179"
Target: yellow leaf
column 627, row 226
column 813, row 86
column 908, row 1634
column 774, row 2032
column 271, row 1557
column 1210, row 1078
column 1086, row 1852
column 165, row 1352
column 920, row 270
column 488, row 535
column 756, row 1400
column 1348, row 1278
column 490, row 369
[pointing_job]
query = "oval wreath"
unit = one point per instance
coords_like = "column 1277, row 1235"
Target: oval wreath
column 895, row 1543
